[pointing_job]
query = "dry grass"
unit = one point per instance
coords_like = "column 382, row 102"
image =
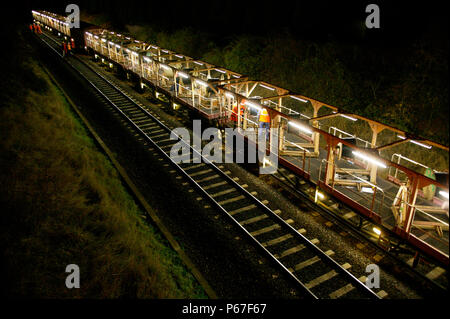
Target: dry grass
column 63, row 202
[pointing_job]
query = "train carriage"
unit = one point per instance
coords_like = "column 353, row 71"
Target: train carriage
column 338, row 162
column 60, row 26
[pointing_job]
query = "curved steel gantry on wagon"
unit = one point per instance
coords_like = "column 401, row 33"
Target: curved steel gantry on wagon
column 353, row 158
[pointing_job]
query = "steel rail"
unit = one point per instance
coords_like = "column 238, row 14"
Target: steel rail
column 291, row 186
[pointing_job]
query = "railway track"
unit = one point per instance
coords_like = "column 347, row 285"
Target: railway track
column 313, row 270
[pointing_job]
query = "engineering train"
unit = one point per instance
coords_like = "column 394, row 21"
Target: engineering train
column 216, row 93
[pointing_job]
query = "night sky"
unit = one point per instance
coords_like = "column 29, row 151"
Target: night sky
column 401, row 21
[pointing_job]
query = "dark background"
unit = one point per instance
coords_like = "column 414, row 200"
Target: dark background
column 320, row 20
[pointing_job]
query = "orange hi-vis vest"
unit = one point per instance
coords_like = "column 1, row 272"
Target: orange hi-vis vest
column 234, row 116
column 264, row 116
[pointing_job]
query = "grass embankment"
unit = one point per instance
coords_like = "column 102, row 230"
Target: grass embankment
column 63, row 203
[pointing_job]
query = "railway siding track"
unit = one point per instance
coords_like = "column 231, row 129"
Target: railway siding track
column 313, row 270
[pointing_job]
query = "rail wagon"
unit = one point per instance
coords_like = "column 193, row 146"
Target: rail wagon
column 311, row 143
column 59, row 25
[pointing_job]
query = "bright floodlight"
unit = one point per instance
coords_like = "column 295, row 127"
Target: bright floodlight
column 201, row 83
column 297, row 98
column 417, row 143
column 253, row 105
column 228, row 94
column 266, row 87
column 420, row 144
column 183, row 75
column 444, row 194
column 300, row 127
column 165, row 66
column 318, row 195
column 376, row 231
column 369, row 159
column 349, row 117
